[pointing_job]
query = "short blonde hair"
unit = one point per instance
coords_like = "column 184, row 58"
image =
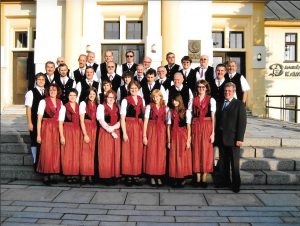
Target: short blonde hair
column 157, row 92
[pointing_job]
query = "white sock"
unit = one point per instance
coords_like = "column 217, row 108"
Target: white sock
column 33, row 151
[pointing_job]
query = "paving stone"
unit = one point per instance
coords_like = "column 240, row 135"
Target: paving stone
column 151, row 218
column 38, row 209
column 232, row 200
column 232, row 208
column 20, row 220
column 235, row 224
column 252, row 177
column 290, row 142
column 201, row 213
column 175, row 224
column 139, row 190
column 136, row 212
column 100, row 217
column 278, row 152
column 283, row 177
column 274, row 224
column 271, row 208
column 11, row 159
column 45, row 204
column 155, row 208
column 243, row 191
column 103, row 223
column 24, row 224
column 75, row 197
column 107, row 206
column 266, row 164
column 11, row 208
column 142, row 199
column 262, row 142
column 78, row 211
column 295, row 214
column 74, row 222
column 6, row 202
column 182, row 199
column 74, row 217
column 189, row 191
column 255, row 219
column 38, row 215
column 30, row 194
column 291, row 219
column 202, row 219
column 49, row 221
column 279, row 199
column 10, row 186
column 109, row 198
column 297, row 163
column 253, row 213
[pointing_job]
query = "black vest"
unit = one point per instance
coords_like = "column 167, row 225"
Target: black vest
column 166, row 84
column 132, row 69
column 172, row 71
column 184, row 92
column 131, row 113
column 47, row 83
column 103, row 69
column 190, row 80
column 123, row 92
column 65, row 89
column 78, row 77
column 147, row 92
column 142, row 82
column 218, row 92
column 116, row 82
column 84, row 89
column 37, row 97
column 237, row 81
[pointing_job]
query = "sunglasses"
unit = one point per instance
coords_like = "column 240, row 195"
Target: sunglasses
column 129, row 56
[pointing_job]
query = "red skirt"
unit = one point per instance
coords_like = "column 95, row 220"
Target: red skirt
column 132, row 149
column 71, row 150
column 180, row 158
column 202, row 149
column 87, row 152
column 155, row 151
column 49, row 158
column 109, row 154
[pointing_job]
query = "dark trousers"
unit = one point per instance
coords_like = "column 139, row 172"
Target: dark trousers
column 230, row 157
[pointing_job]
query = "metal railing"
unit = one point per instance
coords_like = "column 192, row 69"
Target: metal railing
column 284, row 106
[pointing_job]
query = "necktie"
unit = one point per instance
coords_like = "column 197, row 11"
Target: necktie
column 82, row 73
column 42, row 92
column 230, row 76
column 110, row 77
column 150, row 87
column 129, row 66
column 226, row 102
column 64, row 82
column 90, row 83
column 161, row 81
column 219, row 83
column 201, row 73
column 185, row 74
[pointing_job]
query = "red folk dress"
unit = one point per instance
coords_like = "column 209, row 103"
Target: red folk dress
column 49, row 159
column 132, row 149
column 180, row 157
column 109, row 148
column 202, row 149
column 155, row 150
column 87, row 153
column 70, row 151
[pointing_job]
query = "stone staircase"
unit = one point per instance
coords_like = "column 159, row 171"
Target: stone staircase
column 264, row 160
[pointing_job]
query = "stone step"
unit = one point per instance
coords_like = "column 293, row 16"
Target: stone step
column 15, row 148
column 282, row 177
column 16, row 159
column 19, row 173
column 267, row 164
column 14, row 110
column 277, row 152
column 15, row 137
column 246, row 152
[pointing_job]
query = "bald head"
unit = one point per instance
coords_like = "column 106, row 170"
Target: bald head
column 204, row 61
column 178, row 79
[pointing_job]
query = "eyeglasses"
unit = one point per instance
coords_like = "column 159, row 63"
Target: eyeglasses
column 203, row 59
column 201, row 87
column 110, row 97
column 129, row 56
column 110, row 66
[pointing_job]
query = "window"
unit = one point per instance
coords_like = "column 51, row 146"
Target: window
column 218, row 39
column 134, row 29
column 111, row 30
column 290, row 47
column 33, row 38
column 236, row 39
column 21, row 38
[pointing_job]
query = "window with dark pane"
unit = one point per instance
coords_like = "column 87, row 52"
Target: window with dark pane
column 134, row 30
column 290, row 47
column 111, row 30
column 236, row 39
column 21, row 38
column 218, row 39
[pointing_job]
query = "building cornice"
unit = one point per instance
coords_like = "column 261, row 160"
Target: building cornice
column 282, row 23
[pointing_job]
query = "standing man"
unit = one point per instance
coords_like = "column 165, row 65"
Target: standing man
column 79, row 73
column 162, row 74
column 108, row 57
column 49, row 67
column 60, row 60
column 242, row 86
column 111, row 76
column 171, row 67
column 91, row 62
column 204, row 71
column 189, row 74
column 231, row 123
column 140, row 75
column 129, row 65
column 147, row 63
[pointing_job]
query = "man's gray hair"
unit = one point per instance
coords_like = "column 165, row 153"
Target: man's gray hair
column 228, row 84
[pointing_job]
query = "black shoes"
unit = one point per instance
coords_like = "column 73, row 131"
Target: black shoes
column 137, row 181
column 46, row 180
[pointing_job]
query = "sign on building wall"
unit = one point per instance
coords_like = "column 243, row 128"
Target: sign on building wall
column 194, row 49
column 284, row 70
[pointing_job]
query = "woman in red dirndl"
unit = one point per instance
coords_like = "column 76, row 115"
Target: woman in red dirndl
column 109, row 142
column 88, row 122
column 132, row 108
column 155, row 138
column 179, row 143
column 48, row 134
column 204, row 108
column 70, row 136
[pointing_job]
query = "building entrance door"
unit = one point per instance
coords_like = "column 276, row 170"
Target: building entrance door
column 23, row 75
column 119, row 51
column 224, row 57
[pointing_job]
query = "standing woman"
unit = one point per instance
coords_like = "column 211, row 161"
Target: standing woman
column 179, row 142
column 48, row 134
column 154, row 138
column 70, row 136
column 88, row 122
column 109, row 143
column 204, row 108
column 132, row 108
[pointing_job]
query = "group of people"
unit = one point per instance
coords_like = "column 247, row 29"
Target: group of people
column 93, row 123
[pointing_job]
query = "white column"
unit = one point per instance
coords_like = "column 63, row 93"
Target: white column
column 48, row 43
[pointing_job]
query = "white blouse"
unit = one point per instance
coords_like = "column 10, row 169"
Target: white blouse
column 188, row 116
column 42, row 106
column 147, row 112
column 124, row 106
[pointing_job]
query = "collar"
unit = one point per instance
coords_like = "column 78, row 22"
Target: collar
column 180, row 87
column 89, row 81
column 232, row 74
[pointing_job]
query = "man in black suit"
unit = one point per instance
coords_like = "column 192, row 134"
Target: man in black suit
column 91, row 63
column 171, row 67
column 108, row 57
column 162, row 74
column 204, row 71
column 111, row 76
column 189, row 74
column 129, row 65
column 79, row 73
column 231, row 123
